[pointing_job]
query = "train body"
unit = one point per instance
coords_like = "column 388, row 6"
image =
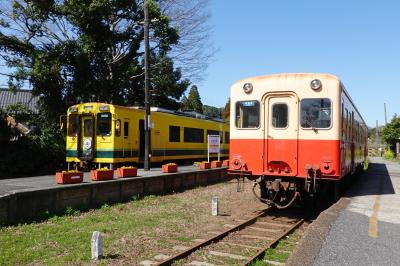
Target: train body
column 295, row 133
column 99, row 133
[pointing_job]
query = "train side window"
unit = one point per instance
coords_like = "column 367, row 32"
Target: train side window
column 174, row 134
column 227, row 137
column 279, row 115
column 316, row 113
column 126, row 129
column 347, row 124
column 215, row 132
column 118, row 128
column 73, row 125
column 342, row 117
column 104, row 124
column 194, row 135
column 247, row 114
column 352, row 125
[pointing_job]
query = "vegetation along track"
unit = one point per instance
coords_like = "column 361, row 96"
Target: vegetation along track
column 241, row 244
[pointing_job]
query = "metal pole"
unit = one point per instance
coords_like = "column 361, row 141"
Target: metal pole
column 146, row 88
column 384, row 107
column 376, row 134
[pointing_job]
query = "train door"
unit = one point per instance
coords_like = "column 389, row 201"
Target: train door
column 86, row 138
column 126, row 150
column 281, row 134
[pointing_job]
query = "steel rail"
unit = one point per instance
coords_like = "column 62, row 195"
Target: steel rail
column 211, row 240
column 261, row 253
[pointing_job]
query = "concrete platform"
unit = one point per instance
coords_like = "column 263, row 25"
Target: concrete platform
column 362, row 228
column 15, row 185
column 25, row 199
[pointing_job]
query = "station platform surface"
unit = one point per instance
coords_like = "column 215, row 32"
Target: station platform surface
column 14, row 185
column 362, row 228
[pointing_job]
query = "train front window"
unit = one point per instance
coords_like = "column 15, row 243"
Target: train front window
column 73, row 125
column 247, row 114
column 104, row 124
column 316, row 113
column 279, row 115
column 88, row 127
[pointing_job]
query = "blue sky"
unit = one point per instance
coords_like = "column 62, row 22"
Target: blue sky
column 358, row 41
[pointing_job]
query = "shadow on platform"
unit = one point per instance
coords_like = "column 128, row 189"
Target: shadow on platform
column 375, row 181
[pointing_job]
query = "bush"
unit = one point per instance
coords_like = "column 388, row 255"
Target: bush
column 388, row 154
column 41, row 152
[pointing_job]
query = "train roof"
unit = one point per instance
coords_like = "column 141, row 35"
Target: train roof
column 289, row 75
column 325, row 76
column 184, row 113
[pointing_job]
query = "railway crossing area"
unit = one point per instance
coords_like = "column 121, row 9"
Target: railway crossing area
column 362, row 228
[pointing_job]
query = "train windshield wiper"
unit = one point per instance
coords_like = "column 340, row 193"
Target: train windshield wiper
column 308, row 122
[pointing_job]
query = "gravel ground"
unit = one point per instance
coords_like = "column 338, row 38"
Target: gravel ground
column 195, row 206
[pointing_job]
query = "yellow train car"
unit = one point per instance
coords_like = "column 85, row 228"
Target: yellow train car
column 109, row 134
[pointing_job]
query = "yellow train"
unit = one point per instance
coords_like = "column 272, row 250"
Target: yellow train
column 110, row 134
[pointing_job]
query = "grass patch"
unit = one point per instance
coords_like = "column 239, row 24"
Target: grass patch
column 282, row 250
column 66, row 239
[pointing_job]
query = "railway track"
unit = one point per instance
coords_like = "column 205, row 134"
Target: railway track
column 241, row 244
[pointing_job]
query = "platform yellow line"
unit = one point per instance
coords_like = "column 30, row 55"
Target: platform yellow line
column 373, row 220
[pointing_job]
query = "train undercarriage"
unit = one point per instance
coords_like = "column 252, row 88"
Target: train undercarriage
column 283, row 192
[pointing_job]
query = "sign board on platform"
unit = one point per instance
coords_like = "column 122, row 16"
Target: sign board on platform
column 213, row 145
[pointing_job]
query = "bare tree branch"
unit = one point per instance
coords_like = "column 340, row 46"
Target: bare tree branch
column 194, row 51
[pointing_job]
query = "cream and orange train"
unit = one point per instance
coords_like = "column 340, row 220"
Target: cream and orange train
column 100, row 134
column 295, row 134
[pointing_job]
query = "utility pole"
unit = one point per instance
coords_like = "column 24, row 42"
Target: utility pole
column 146, row 88
column 376, row 134
column 384, row 107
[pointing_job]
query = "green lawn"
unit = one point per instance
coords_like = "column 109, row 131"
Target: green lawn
column 66, row 239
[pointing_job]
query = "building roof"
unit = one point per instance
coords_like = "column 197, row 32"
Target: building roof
column 25, row 97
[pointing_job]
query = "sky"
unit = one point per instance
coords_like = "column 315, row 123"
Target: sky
column 359, row 41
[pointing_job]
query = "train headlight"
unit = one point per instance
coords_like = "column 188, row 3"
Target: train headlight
column 248, row 88
column 315, row 84
column 73, row 109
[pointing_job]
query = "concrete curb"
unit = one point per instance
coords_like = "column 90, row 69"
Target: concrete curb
column 30, row 204
column 311, row 243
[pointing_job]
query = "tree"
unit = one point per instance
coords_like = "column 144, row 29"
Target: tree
column 227, row 110
column 211, row 111
column 391, row 132
column 72, row 51
column 193, row 101
column 194, row 51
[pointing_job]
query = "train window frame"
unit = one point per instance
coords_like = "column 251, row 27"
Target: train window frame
column 174, row 140
column 216, row 132
column 76, row 131
column 287, row 115
column 259, row 116
column 98, row 132
column 342, row 120
column 126, row 129
column 88, row 132
column 117, row 128
column 227, row 137
column 330, row 115
column 347, row 125
column 191, row 128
